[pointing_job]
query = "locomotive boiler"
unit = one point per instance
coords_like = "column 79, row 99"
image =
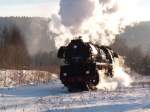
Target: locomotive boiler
column 82, row 62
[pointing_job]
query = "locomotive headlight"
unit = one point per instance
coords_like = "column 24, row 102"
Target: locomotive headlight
column 87, row 72
column 65, row 74
column 94, row 81
column 75, row 46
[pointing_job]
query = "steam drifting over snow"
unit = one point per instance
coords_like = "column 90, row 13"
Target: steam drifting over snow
column 120, row 78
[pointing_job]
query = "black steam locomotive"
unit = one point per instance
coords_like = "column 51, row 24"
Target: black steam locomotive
column 82, row 63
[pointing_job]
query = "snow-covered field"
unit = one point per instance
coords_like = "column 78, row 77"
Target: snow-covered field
column 53, row 97
column 11, row 78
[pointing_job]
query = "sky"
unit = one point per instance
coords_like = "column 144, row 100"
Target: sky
column 44, row 8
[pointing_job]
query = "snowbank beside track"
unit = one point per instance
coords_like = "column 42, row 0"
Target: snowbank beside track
column 9, row 78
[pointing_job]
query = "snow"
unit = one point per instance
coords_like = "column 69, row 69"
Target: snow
column 11, row 78
column 54, row 97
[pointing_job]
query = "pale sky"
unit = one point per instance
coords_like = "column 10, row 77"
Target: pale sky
column 44, row 8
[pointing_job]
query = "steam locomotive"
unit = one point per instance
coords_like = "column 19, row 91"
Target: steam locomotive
column 82, row 62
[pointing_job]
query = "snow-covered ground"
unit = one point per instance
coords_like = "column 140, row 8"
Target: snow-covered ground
column 11, row 78
column 53, row 97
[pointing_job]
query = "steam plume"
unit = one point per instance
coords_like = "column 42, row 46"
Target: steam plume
column 96, row 20
column 120, row 78
column 79, row 10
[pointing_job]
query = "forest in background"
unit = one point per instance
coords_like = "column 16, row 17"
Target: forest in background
column 134, row 57
column 15, row 52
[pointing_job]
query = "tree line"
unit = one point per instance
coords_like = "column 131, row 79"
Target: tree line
column 14, row 53
column 135, row 58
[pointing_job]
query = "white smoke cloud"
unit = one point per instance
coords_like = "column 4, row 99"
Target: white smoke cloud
column 96, row 20
column 120, row 77
column 73, row 13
